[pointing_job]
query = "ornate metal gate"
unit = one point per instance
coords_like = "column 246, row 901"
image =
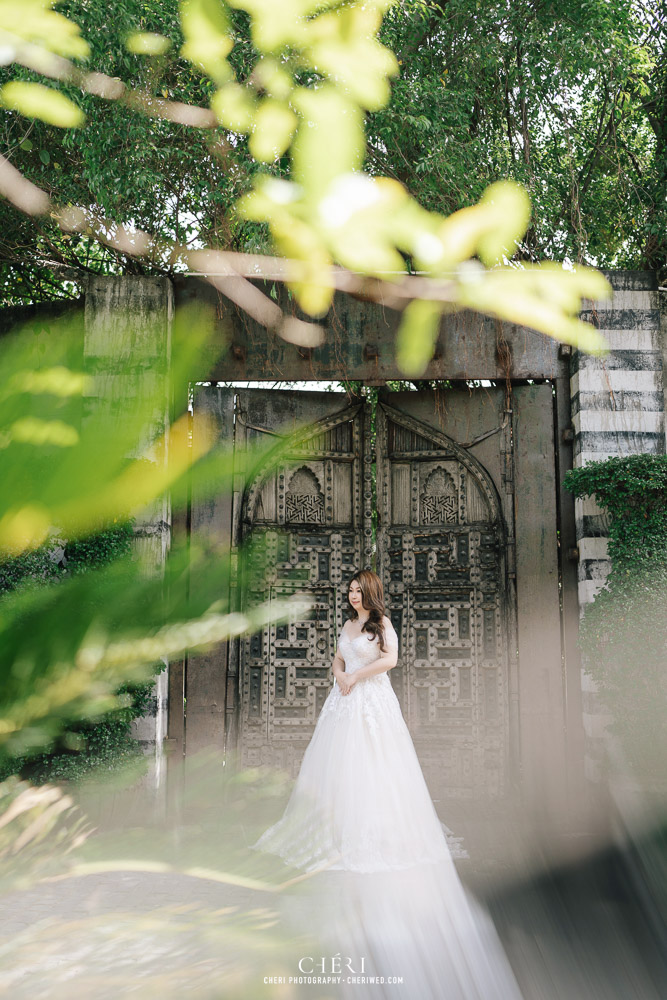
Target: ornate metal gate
column 459, row 475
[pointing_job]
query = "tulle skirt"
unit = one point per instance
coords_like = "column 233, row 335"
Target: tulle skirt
column 360, row 801
column 360, row 805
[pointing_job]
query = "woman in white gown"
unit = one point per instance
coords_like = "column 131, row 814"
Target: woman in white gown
column 360, row 804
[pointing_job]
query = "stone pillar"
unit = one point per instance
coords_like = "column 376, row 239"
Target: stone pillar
column 618, row 408
column 127, row 351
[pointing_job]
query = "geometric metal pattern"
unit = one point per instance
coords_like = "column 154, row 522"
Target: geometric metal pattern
column 439, row 501
column 304, row 500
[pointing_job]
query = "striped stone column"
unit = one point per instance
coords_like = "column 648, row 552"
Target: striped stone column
column 618, row 408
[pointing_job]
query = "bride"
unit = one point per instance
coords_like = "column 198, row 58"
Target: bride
column 360, row 805
column 360, row 802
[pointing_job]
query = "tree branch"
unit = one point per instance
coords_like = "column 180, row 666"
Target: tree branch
column 225, row 270
column 108, row 87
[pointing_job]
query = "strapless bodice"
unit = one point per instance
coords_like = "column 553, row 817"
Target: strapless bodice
column 359, row 651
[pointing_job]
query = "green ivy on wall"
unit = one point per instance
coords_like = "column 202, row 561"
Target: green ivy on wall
column 623, row 633
column 86, row 746
column 53, row 560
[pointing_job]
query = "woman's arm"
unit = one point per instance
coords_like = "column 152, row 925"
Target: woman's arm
column 338, row 665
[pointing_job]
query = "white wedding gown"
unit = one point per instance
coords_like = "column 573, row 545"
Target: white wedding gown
column 360, row 802
column 360, row 805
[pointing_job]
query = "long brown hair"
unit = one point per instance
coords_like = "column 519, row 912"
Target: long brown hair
column 372, row 599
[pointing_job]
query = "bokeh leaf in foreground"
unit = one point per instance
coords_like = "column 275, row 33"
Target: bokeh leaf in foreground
column 73, row 463
column 34, row 100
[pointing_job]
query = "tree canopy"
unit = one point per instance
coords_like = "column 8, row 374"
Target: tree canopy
column 569, row 99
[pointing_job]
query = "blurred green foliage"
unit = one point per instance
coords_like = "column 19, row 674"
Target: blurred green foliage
column 583, row 82
column 297, row 91
column 85, row 746
column 77, row 467
column 81, row 641
column 59, row 558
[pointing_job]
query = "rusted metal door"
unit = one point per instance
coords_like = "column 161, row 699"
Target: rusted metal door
column 445, row 544
column 468, row 553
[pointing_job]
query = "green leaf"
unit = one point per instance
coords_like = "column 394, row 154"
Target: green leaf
column 207, row 38
column 32, row 430
column 234, row 106
column 273, row 78
column 37, row 101
column 278, row 202
column 507, row 212
column 147, row 43
column 274, row 127
column 364, row 220
column 416, row 336
column 343, row 45
column 45, row 157
column 489, row 229
column 543, row 297
column 35, row 22
column 275, row 25
column 330, row 139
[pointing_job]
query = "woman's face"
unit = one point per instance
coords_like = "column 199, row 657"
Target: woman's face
column 354, row 594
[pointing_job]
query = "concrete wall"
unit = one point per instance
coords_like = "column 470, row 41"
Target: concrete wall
column 127, row 351
column 618, row 408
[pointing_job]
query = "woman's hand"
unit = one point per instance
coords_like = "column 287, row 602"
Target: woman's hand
column 341, row 679
column 346, row 682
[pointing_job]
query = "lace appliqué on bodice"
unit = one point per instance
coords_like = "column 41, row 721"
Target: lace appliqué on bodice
column 374, row 696
column 360, row 650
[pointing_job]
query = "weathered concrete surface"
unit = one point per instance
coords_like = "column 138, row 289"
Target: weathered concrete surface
column 127, row 353
column 211, row 527
column 360, row 344
column 541, row 689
